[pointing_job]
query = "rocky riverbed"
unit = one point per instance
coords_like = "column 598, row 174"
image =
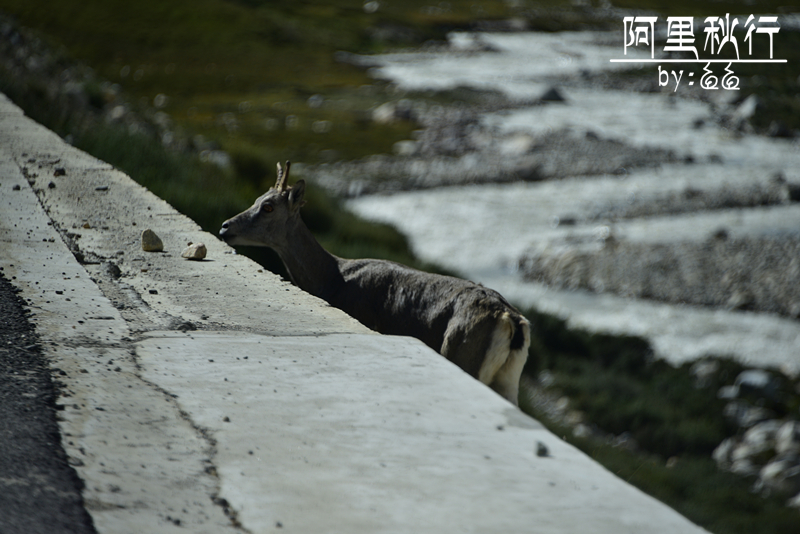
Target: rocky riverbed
column 597, row 182
column 611, row 203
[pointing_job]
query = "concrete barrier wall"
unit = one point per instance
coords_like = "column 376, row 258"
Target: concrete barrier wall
column 211, row 396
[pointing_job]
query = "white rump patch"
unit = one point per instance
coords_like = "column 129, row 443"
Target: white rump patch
column 501, row 366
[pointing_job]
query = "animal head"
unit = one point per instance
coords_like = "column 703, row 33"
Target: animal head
column 269, row 221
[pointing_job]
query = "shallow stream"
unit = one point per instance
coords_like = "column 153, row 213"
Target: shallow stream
column 482, row 231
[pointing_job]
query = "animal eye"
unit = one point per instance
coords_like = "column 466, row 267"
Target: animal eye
column 266, row 208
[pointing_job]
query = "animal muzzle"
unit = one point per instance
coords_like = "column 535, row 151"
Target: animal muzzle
column 225, row 233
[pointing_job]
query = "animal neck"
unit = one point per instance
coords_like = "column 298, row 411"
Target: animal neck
column 312, row 268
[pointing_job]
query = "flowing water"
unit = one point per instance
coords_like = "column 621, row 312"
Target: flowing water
column 482, row 231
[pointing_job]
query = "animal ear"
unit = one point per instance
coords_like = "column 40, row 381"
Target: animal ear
column 296, row 195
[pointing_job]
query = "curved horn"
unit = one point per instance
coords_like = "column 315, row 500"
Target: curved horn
column 283, row 177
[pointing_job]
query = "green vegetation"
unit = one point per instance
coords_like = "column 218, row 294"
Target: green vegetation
column 620, row 387
column 255, row 78
column 242, row 72
column 622, row 390
column 261, row 78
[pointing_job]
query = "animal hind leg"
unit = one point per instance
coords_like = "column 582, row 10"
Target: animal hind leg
column 506, row 381
column 497, row 350
column 465, row 344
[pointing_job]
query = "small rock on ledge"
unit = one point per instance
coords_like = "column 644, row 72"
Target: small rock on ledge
column 195, row 251
column 151, row 242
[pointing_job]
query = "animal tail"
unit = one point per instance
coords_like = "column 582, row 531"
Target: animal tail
column 522, row 334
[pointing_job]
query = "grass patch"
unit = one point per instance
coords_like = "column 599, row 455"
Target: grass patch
column 620, row 389
column 255, row 76
column 260, row 77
